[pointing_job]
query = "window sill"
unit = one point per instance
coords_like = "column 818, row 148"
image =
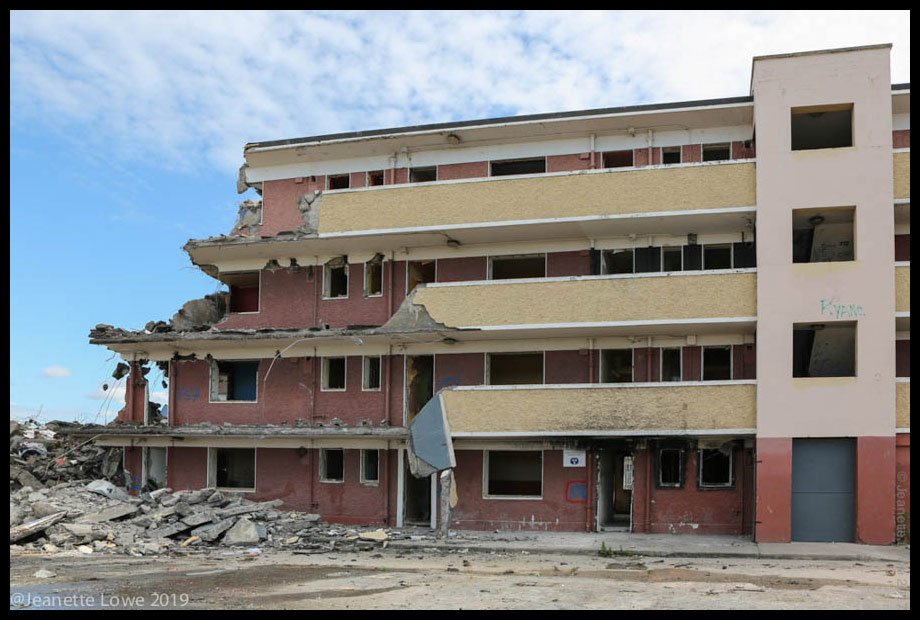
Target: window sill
column 513, row 497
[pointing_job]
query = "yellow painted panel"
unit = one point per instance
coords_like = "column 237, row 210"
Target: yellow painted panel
column 640, row 191
column 507, row 302
column 902, row 289
column 903, row 408
column 902, row 175
column 608, row 409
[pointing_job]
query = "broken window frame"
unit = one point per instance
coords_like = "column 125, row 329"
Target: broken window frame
column 712, row 146
column 329, row 181
column 324, row 466
column 408, row 273
column 327, row 281
column 602, row 366
column 715, row 485
column 515, row 160
column 611, row 252
column 612, row 155
column 424, row 170
column 821, row 109
column 672, row 249
column 486, row 471
column 731, row 361
column 212, row 471
column 258, row 286
column 854, row 325
column 680, row 364
column 367, row 265
column 672, row 149
column 488, row 366
column 659, row 483
column 370, row 174
column 365, row 373
column 373, row 482
column 214, row 385
column 491, row 262
column 718, row 246
column 324, row 371
column 822, row 213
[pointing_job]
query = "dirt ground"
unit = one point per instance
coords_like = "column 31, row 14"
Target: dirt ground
column 433, row 579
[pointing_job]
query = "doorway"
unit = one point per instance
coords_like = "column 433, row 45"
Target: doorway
column 614, row 489
column 418, row 499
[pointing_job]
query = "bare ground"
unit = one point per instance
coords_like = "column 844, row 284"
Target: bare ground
column 431, row 579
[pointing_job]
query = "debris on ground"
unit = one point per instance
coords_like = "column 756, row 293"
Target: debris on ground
column 40, row 455
column 97, row 517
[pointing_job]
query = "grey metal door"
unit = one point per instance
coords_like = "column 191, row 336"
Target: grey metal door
column 823, row 483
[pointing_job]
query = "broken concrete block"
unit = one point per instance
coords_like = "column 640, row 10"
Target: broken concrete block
column 109, row 514
column 210, row 532
column 248, row 508
column 215, row 498
column 150, row 548
column 50, row 548
column 244, row 532
column 155, row 495
column 34, row 527
column 85, row 549
column 196, row 497
column 183, row 509
column 82, row 530
column 43, row 509
column 169, row 530
column 26, row 479
column 107, row 489
column 44, row 573
column 162, row 513
column 199, row 518
column 377, row 535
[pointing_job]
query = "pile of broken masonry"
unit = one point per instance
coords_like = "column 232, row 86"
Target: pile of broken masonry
column 99, row 517
column 66, row 494
column 40, row 455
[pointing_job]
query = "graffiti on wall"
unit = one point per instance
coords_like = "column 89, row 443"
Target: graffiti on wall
column 834, row 309
column 576, row 491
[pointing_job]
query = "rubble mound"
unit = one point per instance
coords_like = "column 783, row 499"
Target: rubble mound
column 40, row 456
column 100, row 517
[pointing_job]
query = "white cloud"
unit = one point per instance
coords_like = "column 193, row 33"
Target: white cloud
column 189, row 89
column 56, row 372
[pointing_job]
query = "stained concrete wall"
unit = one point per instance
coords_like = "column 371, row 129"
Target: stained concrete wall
column 788, row 293
column 509, row 302
column 559, row 509
column 659, row 189
column 621, row 408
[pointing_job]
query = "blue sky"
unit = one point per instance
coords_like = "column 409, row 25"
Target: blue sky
column 127, row 129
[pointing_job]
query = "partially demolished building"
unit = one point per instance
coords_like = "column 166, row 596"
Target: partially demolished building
column 690, row 317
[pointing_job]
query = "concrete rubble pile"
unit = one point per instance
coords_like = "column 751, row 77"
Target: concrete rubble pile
column 41, row 456
column 99, row 517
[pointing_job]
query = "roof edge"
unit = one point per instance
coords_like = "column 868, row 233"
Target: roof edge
column 527, row 118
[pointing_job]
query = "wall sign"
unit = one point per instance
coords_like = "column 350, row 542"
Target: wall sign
column 574, row 458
